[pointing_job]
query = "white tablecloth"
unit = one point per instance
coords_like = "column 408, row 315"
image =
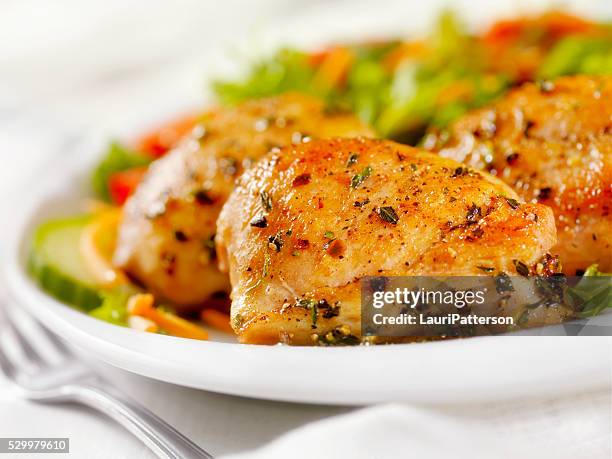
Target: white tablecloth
column 53, row 90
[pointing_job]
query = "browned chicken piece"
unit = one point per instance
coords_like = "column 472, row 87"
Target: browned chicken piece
column 552, row 142
column 308, row 222
column 166, row 236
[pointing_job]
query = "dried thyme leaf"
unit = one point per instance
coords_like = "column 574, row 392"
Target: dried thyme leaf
column 358, row 179
column 388, row 214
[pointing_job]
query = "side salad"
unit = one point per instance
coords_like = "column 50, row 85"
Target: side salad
column 402, row 87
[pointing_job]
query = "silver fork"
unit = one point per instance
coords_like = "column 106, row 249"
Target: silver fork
column 40, row 379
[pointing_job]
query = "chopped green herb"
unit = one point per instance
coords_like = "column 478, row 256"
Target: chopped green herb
column 305, row 303
column 592, row 294
column 512, row 203
column 352, row 159
column 209, row 244
column 521, row 268
column 486, row 269
column 266, row 201
column 117, row 158
column 277, row 241
column 523, row 317
column 359, row 178
column 311, row 305
column 388, row 214
column 314, row 314
column 503, row 284
column 259, row 221
column 264, row 272
column 237, row 321
column 328, row 310
column 361, row 203
column 329, row 235
column 339, row 336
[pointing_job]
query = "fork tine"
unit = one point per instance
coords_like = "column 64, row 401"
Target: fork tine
column 34, row 357
column 59, row 344
column 6, row 366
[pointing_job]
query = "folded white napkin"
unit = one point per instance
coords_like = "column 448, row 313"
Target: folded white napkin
column 577, row 427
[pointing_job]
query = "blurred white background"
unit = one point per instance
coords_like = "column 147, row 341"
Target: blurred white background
column 70, row 66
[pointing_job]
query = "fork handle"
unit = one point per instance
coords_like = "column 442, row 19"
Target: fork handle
column 163, row 439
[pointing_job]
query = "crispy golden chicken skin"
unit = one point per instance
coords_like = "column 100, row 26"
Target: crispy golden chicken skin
column 552, row 142
column 308, row 222
column 166, row 236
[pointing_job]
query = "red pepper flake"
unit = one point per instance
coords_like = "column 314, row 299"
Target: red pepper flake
column 302, row 244
column 203, row 197
column 512, row 158
column 544, row 193
column 302, row 179
column 335, row 248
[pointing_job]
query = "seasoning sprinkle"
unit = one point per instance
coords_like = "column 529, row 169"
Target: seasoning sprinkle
column 266, row 201
column 388, row 214
column 202, row 197
column 180, row 236
column 302, row 179
column 512, row 203
column 474, row 213
column 503, row 284
column 359, row 178
column 259, row 222
column 352, row 159
column 544, row 193
column 277, row 241
column 512, row 158
column 460, row 171
column 521, row 268
column 209, row 245
column 486, row 269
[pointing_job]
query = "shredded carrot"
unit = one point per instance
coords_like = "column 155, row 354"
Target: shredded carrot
column 217, row 319
column 334, row 68
column 142, row 324
column 461, row 90
column 555, row 23
column 142, row 305
column 406, row 50
column 97, row 245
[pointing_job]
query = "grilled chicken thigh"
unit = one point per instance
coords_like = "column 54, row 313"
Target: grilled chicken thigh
column 551, row 142
column 311, row 220
column 166, row 236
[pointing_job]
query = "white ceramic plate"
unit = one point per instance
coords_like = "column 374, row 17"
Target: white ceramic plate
column 475, row 369
column 454, row 371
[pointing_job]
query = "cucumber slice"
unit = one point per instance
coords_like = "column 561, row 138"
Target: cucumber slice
column 55, row 262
